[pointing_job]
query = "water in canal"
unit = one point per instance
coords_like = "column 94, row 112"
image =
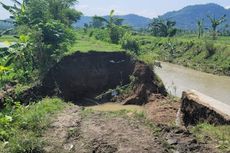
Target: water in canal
column 178, row 78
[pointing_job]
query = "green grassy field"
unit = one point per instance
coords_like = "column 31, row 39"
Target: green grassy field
column 84, row 43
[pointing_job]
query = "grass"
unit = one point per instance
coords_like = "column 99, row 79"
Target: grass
column 219, row 135
column 84, row 43
column 21, row 127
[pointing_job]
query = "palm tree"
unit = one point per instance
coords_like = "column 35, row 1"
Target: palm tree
column 215, row 23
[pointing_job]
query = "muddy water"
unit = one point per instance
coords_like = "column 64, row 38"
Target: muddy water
column 178, row 78
column 117, row 107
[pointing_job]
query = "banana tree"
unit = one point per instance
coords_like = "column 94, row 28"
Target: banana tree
column 162, row 28
column 114, row 26
column 215, row 23
column 111, row 21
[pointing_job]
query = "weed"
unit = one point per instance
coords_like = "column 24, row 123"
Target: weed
column 24, row 142
column 140, row 115
column 86, row 112
column 220, row 135
column 72, row 132
column 211, row 49
column 129, row 43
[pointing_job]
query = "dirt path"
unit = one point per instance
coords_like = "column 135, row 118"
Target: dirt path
column 79, row 131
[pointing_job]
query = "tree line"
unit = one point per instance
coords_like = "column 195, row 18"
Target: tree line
column 166, row 28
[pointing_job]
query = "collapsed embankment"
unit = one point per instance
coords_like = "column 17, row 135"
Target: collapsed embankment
column 87, row 75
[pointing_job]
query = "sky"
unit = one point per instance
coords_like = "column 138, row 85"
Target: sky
column 147, row 8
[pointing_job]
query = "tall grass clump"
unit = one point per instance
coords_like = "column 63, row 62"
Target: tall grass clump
column 130, row 43
column 210, row 48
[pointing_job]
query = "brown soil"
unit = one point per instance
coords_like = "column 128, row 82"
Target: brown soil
column 162, row 110
column 98, row 132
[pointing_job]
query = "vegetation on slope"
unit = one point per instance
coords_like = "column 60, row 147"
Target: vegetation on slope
column 219, row 135
column 21, row 127
column 200, row 54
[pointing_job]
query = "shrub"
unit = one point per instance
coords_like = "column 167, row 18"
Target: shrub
column 20, row 126
column 116, row 33
column 210, row 48
column 129, row 43
column 101, row 34
column 44, row 32
column 24, row 143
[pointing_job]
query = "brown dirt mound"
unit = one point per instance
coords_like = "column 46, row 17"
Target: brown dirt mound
column 162, row 110
column 86, row 75
column 146, row 84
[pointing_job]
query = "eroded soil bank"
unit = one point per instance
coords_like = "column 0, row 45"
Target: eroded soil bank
column 88, row 75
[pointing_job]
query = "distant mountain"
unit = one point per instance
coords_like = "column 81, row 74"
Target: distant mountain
column 187, row 17
column 133, row 20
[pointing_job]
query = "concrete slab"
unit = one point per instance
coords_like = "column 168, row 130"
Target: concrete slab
column 197, row 107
